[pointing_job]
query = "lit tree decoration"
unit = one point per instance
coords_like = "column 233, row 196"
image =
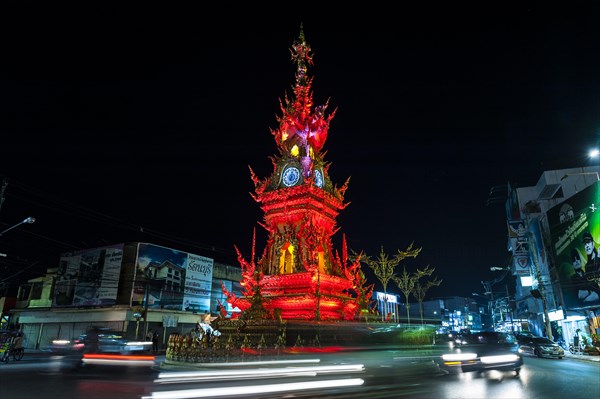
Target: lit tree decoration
column 406, row 283
column 384, row 267
column 421, row 290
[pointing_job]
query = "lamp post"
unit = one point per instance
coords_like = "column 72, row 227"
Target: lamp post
column 28, row 220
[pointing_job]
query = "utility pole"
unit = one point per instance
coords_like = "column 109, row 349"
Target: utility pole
column 542, row 290
column 487, row 286
column 146, row 298
column 509, row 309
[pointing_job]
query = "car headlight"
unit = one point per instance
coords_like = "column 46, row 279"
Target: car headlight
column 499, row 359
column 459, row 357
column 138, row 343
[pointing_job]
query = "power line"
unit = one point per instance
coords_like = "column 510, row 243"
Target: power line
column 56, row 204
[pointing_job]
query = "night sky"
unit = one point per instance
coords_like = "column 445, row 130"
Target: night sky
column 121, row 124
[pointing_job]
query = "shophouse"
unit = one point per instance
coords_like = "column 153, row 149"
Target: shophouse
column 553, row 236
column 131, row 287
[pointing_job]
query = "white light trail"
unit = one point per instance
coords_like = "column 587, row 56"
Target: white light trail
column 253, row 389
column 186, row 376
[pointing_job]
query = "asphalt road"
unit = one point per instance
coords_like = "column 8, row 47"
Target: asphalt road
column 384, row 373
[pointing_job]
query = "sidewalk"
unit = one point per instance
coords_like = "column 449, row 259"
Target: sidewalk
column 589, row 358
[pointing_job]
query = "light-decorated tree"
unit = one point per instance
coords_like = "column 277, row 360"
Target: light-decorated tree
column 406, row 283
column 421, row 290
column 384, row 267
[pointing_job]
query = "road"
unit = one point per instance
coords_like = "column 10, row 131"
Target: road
column 378, row 373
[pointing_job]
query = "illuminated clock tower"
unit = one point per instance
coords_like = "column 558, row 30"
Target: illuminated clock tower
column 299, row 276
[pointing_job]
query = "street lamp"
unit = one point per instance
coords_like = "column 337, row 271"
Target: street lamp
column 29, row 220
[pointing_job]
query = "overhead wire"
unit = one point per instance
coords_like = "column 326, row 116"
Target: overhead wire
column 73, row 209
column 49, row 249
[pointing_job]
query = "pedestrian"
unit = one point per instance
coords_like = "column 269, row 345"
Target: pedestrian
column 18, row 340
column 155, row 341
column 92, row 340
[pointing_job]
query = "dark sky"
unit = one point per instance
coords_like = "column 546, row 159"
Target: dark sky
column 122, row 124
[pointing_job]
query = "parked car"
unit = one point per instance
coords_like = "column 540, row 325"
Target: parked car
column 541, row 347
column 482, row 351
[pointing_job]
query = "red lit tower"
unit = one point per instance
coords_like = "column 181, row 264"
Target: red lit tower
column 299, row 276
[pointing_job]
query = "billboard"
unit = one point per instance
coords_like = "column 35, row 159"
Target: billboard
column 89, row 277
column 172, row 279
column 575, row 230
column 198, row 283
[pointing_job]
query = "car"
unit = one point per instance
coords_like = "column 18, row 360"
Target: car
column 541, row 347
column 109, row 341
column 480, row 352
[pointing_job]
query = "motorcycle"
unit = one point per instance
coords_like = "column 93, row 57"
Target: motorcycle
column 577, row 348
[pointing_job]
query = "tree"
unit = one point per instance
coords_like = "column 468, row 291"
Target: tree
column 364, row 293
column 406, row 283
column 384, row 267
column 420, row 291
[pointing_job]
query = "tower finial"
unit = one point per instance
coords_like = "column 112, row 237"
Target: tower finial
column 301, row 54
column 301, row 36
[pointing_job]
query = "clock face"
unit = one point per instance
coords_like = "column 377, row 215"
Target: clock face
column 318, row 178
column 291, row 176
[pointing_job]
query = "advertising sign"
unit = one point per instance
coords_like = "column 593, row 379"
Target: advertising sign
column 172, row 279
column 516, row 228
column 88, row 278
column 521, row 265
column 575, row 230
column 198, row 283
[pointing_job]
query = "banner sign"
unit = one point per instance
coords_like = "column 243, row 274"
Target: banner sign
column 575, row 230
column 170, row 321
column 516, row 228
column 521, row 266
column 176, row 280
column 89, row 277
column 198, row 283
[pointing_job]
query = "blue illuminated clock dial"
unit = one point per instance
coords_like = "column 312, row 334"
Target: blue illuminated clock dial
column 291, row 176
column 318, row 178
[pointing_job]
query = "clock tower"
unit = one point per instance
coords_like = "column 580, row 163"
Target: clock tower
column 299, row 275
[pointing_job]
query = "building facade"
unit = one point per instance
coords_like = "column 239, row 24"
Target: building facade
column 130, row 287
column 553, row 235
